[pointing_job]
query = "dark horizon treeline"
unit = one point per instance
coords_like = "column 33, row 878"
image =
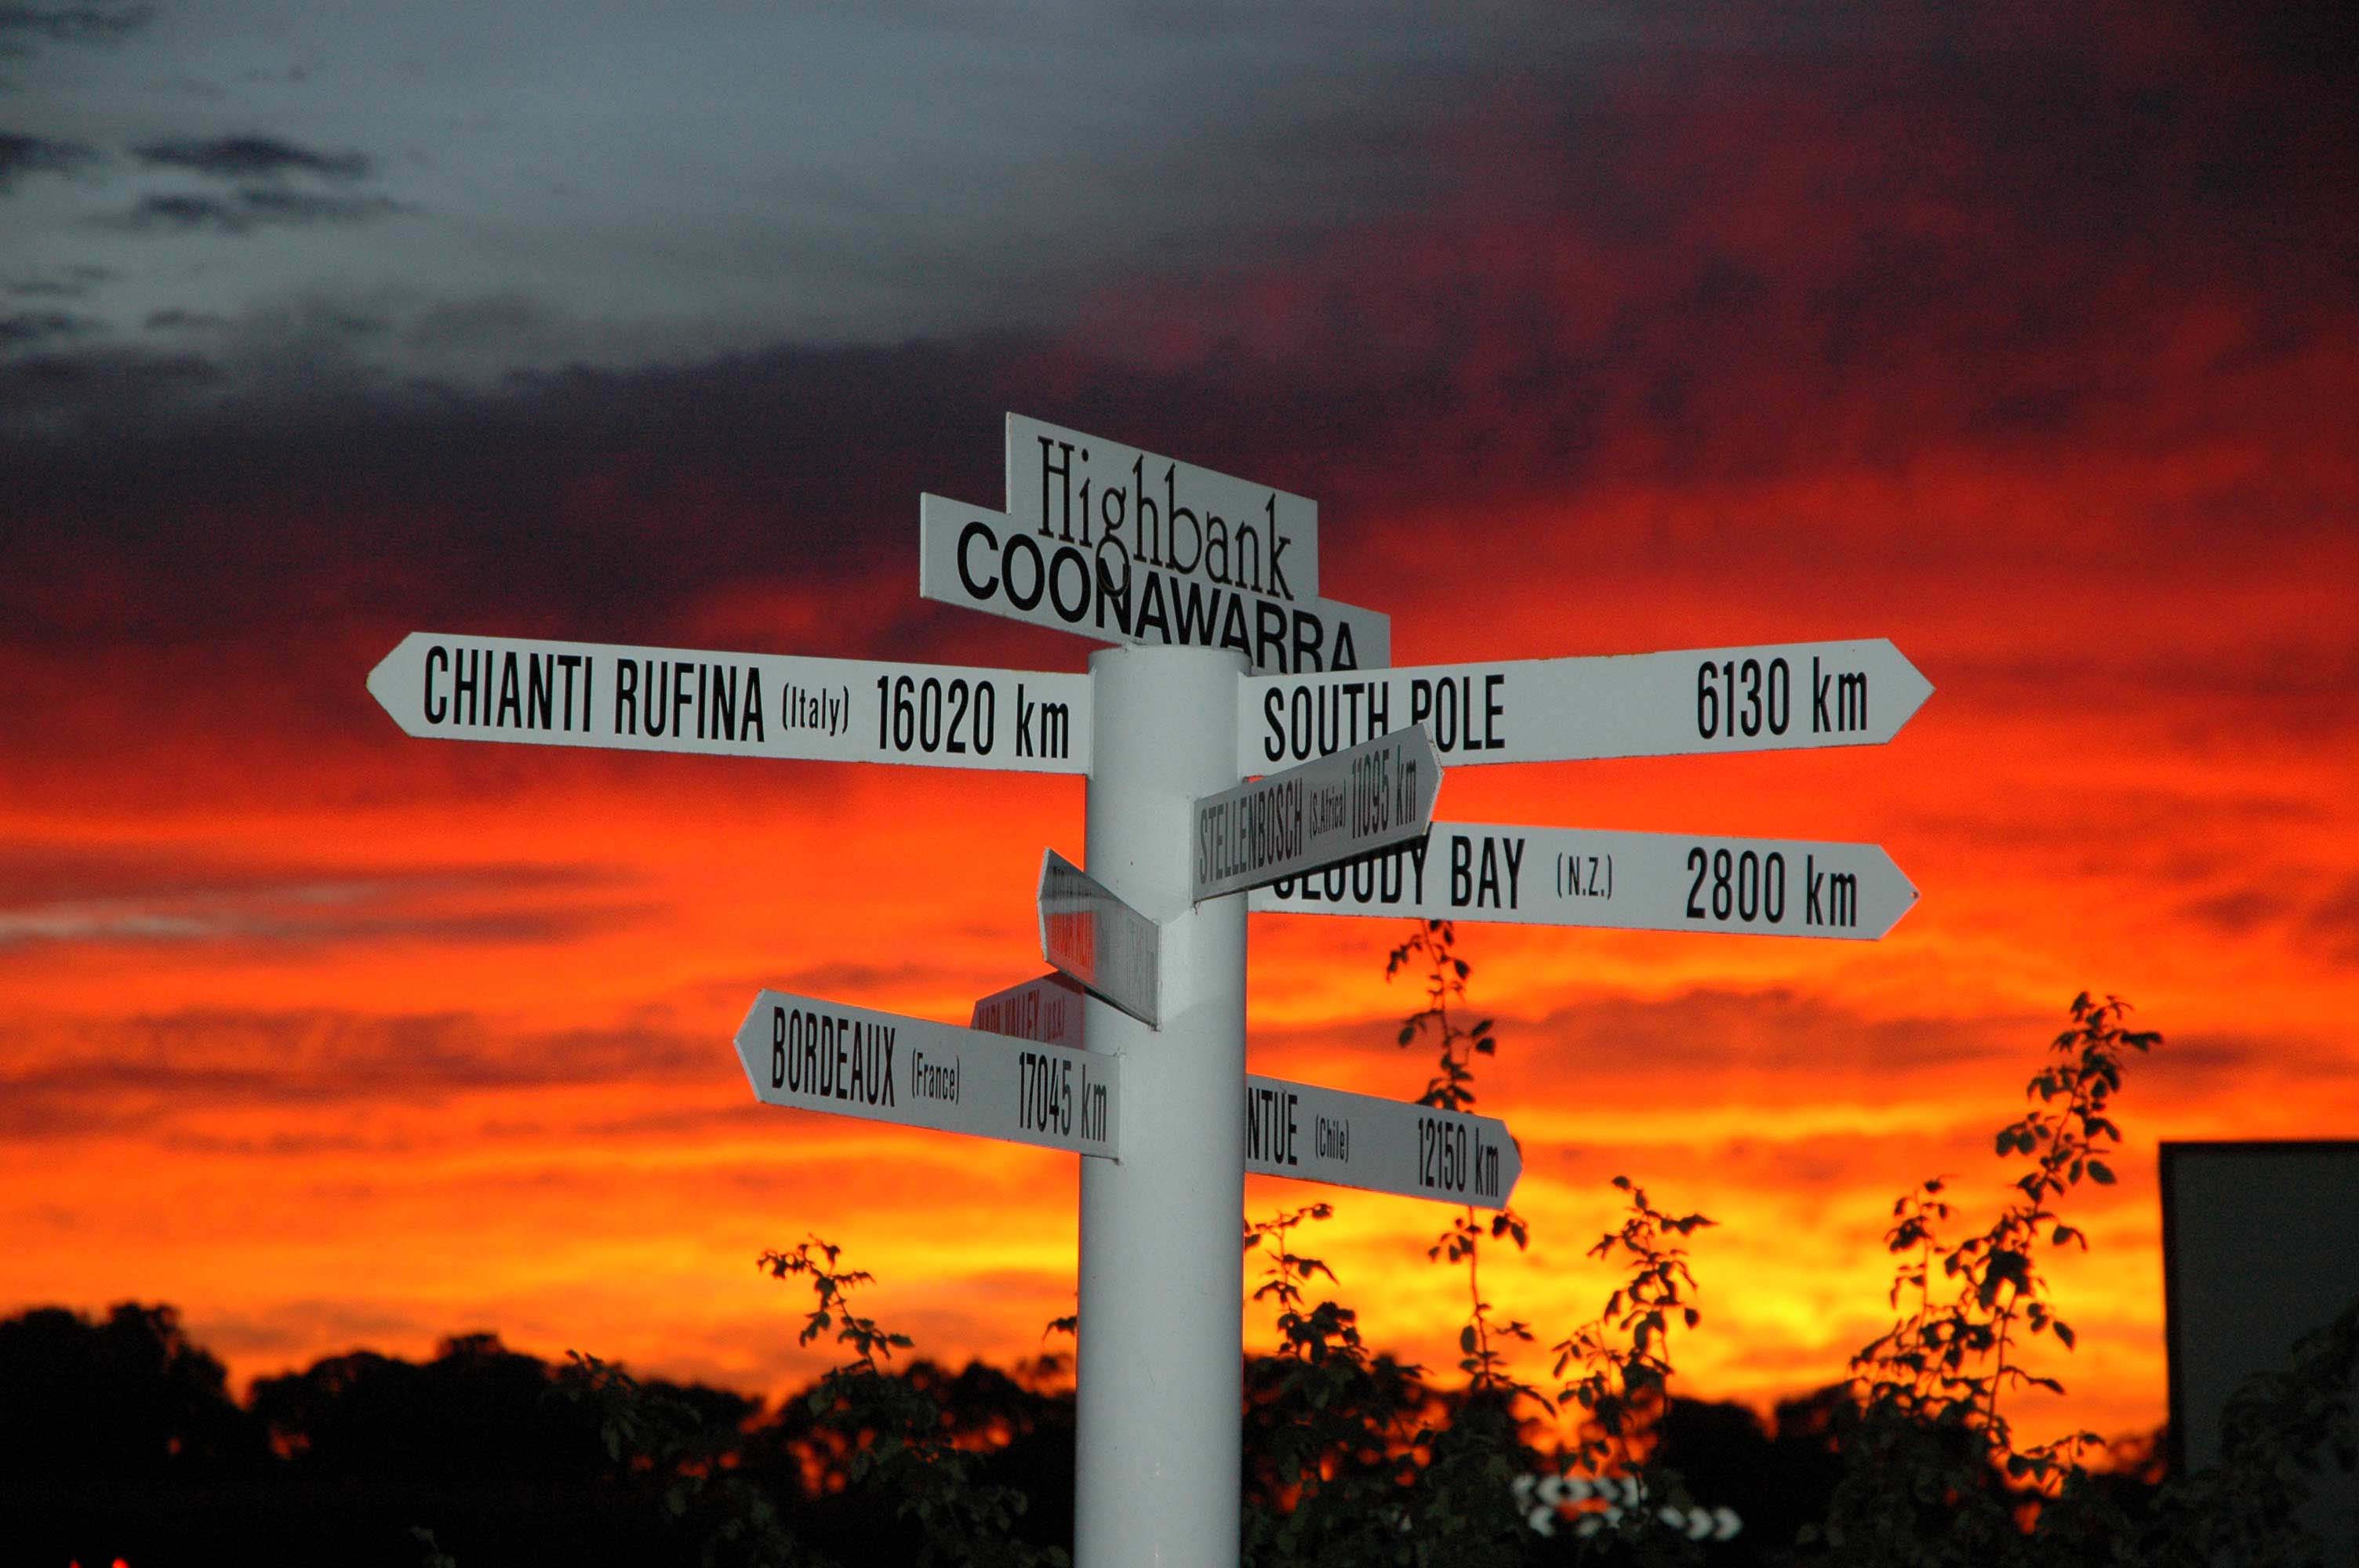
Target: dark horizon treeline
column 119, row 1439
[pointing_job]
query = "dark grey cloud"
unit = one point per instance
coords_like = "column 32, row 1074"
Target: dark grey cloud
column 177, row 320
column 2240, row 911
column 27, row 329
column 246, row 210
column 252, row 158
column 579, row 498
column 21, row 154
column 70, row 283
column 200, row 1060
column 49, row 394
column 21, row 25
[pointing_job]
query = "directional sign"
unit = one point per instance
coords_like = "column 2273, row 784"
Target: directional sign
column 851, row 1061
column 1107, row 946
column 1092, row 585
column 1047, row 1008
column 1629, row 705
column 1315, row 1134
column 461, row 687
column 1379, row 1145
column 1330, row 809
column 1163, row 513
column 1633, row 882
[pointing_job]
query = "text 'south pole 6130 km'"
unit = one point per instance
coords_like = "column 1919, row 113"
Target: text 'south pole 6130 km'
column 1311, row 765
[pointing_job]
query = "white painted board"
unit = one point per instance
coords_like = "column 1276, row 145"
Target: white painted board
column 1630, row 881
column 812, row 1055
column 1317, row 814
column 980, row 559
column 1108, row 948
column 1314, row 1135
column 1378, row 1145
column 1161, row 513
column 1772, row 698
column 450, row 687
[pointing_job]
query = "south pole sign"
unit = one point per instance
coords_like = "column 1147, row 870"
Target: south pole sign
column 1703, row 700
column 1246, row 743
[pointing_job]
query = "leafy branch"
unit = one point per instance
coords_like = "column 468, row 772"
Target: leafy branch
column 1452, row 1088
column 891, row 1432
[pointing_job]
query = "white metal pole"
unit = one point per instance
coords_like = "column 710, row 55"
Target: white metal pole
column 1160, row 1363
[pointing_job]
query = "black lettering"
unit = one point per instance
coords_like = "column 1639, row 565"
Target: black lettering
column 1277, row 543
column 1173, row 511
column 967, row 534
column 511, row 692
column 1269, row 629
column 570, row 661
column 1057, row 458
column 466, row 681
column 1058, row 559
column 1310, row 641
column 1008, row 570
column 434, row 708
column 1149, row 530
column 539, row 692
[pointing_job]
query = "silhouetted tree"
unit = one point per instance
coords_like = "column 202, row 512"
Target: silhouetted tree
column 126, row 1397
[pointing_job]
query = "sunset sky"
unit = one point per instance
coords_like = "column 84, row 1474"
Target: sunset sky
column 2028, row 340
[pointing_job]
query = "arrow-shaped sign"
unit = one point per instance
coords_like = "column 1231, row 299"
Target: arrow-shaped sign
column 454, row 687
column 1629, row 705
column 1378, row 1145
column 1325, row 811
column 811, row 1055
column 1309, row 1133
column 1107, row 946
column 1631, row 882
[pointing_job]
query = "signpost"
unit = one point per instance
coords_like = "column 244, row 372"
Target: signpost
column 1330, row 809
column 1226, row 666
column 1108, row 948
column 1630, row 881
column 810, row 1055
column 1625, row 705
column 453, row 688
